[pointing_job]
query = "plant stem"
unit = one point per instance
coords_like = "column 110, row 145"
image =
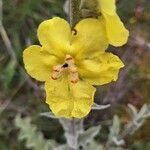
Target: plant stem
column 74, row 134
column 72, row 127
column 74, row 12
column 74, row 18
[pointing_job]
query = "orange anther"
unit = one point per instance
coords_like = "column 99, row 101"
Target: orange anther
column 68, row 66
column 73, row 69
column 54, row 78
column 57, row 68
column 68, row 57
column 74, row 81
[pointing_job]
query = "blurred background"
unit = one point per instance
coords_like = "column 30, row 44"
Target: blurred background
column 19, row 94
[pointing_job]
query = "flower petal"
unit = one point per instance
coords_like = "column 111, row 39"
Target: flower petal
column 117, row 33
column 90, row 36
column 68, row 100
column 38, row 62
column 107, row 6
column 100, row 71
column 55, row 34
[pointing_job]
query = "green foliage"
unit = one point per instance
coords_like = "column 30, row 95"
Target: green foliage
column 125, row 13
column 21, row 19
column 8, row 74
column 115, row 132
column 87, row 141
column 34, row 139
column 137, row 118
column 115, row 128
column 93, row 146
column 88, row 136
column 142, row 146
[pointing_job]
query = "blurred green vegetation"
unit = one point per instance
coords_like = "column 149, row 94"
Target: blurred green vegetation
column 17, row 95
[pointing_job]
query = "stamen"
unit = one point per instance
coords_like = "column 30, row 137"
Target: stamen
column 57, row 68
column 74, row 78
column 69, row 66
column 69, row 60
column 73, row 69
column 65, row 65
column 57, row 72
column 68, row 57
column 53, row 77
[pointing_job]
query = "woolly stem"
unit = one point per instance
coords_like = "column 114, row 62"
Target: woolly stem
column 74, row 18
column 74, row 12
column 74, row 135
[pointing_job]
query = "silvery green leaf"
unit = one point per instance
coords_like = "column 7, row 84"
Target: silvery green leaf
column 148, row 114
column 100, row 107
column 115, row 128
column 66, row 6
column 114, row 132
column 93, row 146
column 137, row 121
column 88, row 135
column 34, row 138
column 116, row 148
column 132, row 110
column 118, row 142
column 48, row 115
column 143, row 110
column 62, row 147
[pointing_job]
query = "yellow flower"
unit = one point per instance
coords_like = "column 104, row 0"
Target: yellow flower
column 117, row 33
column 70, row 62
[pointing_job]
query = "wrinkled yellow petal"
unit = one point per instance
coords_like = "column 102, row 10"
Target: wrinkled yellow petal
column 68, row 100
column 116, row 31
column 90, row 36
column 55, row 34
column 38, row 63
column 107, row 6
column 100, row 71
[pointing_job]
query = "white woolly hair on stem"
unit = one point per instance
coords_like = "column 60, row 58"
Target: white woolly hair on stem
column 74, row 16
column 74, row 12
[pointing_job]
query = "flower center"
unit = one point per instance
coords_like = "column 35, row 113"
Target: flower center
column 69, row 66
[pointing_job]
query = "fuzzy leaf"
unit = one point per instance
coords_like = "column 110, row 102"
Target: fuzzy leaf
column 88, row 135
column 116, row 148
column 100, row 107
column 114, row 132
column 93, row 146
column 62, row 147
column 48, row 115
column 132, row 110
column 34, row 139
column 138, row 119
column 115, row 128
